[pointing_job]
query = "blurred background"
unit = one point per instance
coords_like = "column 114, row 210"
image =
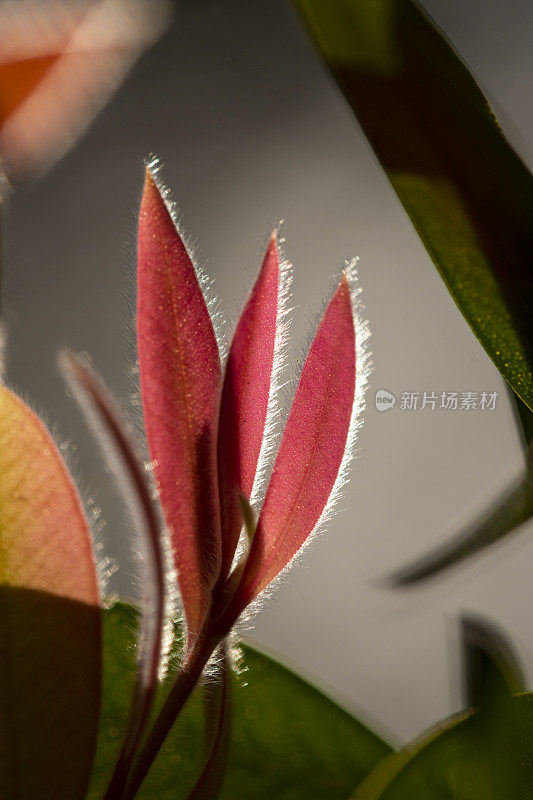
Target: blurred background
column 251, row 128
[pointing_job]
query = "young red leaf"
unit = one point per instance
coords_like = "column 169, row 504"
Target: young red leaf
column 50, row 619
column 245, row 399
column 180, row 384
column 311, row 450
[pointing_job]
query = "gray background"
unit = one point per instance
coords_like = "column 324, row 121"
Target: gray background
column 251, row 128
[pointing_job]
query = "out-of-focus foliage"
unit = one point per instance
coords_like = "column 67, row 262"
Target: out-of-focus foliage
column 482, row 753
column 471, row 757
column 513, row 509
column 60, row 61
column 466, row 191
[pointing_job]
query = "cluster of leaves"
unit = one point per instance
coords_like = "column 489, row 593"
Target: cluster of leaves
column 205, row 432
column 70, row 683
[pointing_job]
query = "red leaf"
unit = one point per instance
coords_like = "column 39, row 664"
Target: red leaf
column 311, row 450
column 245, row 399
column 180, row 384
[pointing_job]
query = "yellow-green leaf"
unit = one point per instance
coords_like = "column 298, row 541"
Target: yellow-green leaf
column 49, row 617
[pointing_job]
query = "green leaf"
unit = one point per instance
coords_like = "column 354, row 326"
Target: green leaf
column 477, row 754
column 466, row 191
column 492, row 672
column 510, row 511
column 464, row 759
column 290, row 742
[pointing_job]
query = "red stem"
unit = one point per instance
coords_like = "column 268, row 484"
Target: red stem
column 185, row 682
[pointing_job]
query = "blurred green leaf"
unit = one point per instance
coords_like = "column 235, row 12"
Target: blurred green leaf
column 466, row 191
column 510, row 511
column 468, row 758
column 491, row 671
column 289, row 741
column 483, row 753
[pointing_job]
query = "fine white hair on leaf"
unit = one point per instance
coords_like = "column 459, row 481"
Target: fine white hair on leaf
column 155, row 166
column 173, row 608
column 363, row 369
column 272, row 421
column 173, row 611
column 105, row 565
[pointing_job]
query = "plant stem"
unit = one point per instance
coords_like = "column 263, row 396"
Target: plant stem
column 178, row 695
column 133, row 734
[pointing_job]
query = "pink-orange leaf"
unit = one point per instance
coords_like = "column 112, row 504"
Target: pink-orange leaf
column 180, row 384
column 311, row 450
column 245, row 398
column 50, row 646
column 59, row 62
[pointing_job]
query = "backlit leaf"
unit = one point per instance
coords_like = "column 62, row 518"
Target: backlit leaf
column 466, row 191
column 311, row 450
column 49, row 617
column 245, row 398
column 180, row 383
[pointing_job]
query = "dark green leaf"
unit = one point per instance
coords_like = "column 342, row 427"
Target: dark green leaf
column 466, row 191
column 485, row 753
column 289, row 741
column 49, row 693
column 491, row 669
